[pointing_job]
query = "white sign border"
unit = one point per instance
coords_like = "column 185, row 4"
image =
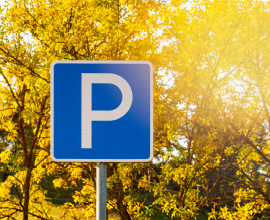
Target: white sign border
column 101, row 62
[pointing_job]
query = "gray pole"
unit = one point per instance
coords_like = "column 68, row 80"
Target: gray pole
column 101, row 205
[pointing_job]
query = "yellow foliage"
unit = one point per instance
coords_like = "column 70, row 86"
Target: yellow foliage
column 4, row 156
column 211, row 102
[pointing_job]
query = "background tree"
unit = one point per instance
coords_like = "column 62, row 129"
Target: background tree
column 34, row 34
column 218, row 68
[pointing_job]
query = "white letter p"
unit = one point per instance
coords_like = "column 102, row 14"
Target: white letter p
column 88, row 115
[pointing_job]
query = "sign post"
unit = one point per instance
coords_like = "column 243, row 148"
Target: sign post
column 101, row 111
column 101, row 191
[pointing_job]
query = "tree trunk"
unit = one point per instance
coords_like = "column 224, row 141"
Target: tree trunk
column 119, row 193
column 26, row 192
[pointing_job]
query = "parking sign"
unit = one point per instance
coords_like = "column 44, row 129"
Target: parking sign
column 101, row 111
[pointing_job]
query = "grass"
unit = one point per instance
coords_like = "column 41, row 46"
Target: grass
column 55, row 213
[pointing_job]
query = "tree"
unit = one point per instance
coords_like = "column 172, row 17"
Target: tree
column 33, row 35
column 218, row 103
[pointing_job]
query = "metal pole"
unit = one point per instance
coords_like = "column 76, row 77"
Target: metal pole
column 101, row 205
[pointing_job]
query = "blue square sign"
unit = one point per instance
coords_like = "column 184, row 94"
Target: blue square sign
column 101, row 111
